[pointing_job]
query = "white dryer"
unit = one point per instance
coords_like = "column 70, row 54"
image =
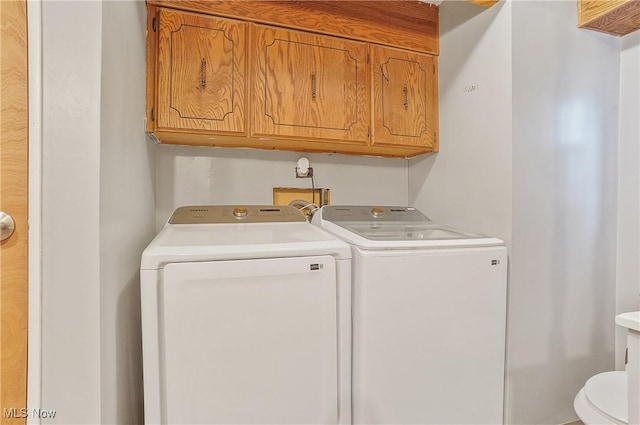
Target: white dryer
column 429, row 313
column 245, row 319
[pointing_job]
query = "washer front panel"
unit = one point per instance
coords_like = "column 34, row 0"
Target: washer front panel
column 429, row 336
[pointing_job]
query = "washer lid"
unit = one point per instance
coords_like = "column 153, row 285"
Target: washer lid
column 239, row 240
column 607, row 392
column 394, row 227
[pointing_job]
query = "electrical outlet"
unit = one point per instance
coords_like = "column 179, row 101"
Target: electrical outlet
column 301, row 175
column 303, row 170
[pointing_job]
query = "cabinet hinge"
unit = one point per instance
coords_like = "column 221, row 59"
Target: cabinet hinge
column 434, row 68
column 154, row 24
column 368, row 131
column 368, row 58
column 153, row 114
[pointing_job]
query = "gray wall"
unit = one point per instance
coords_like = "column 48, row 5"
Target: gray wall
column 628, row 264
column 200, row 175
column 100, row 176
column 529, row 127
column 97, row 206
column 468, row 183
column 127, row 207
column 71, row 58
column 562, row 287
column 533, row 177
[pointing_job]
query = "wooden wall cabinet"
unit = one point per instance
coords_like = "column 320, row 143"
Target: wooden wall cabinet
column 201, row 73
column 404, row 98
column 215, row 81
column 309, row 86
column 483, row 3
column 616, row 17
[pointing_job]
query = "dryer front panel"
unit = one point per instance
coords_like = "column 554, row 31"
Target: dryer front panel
column 249, row 341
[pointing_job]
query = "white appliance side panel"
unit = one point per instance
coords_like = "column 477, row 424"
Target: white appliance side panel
column 250, row 341
column 633, row 374
column 343, row 272
column 429, row 336
column 150, row 340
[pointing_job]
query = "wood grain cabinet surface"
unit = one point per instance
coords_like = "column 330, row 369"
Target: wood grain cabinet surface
column 220, row 81
column 201, row 74
column 616, row 17
column 309, row 86
column 404, row 98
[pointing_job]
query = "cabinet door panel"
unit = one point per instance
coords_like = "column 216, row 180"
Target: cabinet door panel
column 201, row 73
column 404, row 98
column 309, row 86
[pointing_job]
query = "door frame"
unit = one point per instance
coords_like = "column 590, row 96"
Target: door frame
column 34, row 341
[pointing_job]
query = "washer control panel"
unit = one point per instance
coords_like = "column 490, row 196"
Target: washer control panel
column 207, row 214
column 342, row 213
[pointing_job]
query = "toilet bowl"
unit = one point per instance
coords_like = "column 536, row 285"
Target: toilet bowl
column 613, row 398
column 603, row 400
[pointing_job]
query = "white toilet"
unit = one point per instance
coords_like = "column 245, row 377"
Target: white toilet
column 614, row 397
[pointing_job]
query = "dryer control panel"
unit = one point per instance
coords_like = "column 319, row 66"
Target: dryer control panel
column 209, row 214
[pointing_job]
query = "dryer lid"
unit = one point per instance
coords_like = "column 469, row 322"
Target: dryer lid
column 607, row 392
column 215, row 233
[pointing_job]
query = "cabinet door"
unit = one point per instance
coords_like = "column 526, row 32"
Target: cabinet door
column 201, row 73
column 309, row 86
column 405, row 88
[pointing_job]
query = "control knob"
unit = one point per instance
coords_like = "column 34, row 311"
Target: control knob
column 240, row 213
column 377, row 212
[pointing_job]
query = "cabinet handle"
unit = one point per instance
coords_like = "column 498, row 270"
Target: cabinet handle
column 203, row 78
column 313, row 85
column 405, row 97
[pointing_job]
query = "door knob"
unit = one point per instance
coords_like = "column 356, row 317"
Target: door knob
column 7, row 226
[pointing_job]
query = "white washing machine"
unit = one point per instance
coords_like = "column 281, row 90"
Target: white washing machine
column 246, row 319
column 429, row 313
